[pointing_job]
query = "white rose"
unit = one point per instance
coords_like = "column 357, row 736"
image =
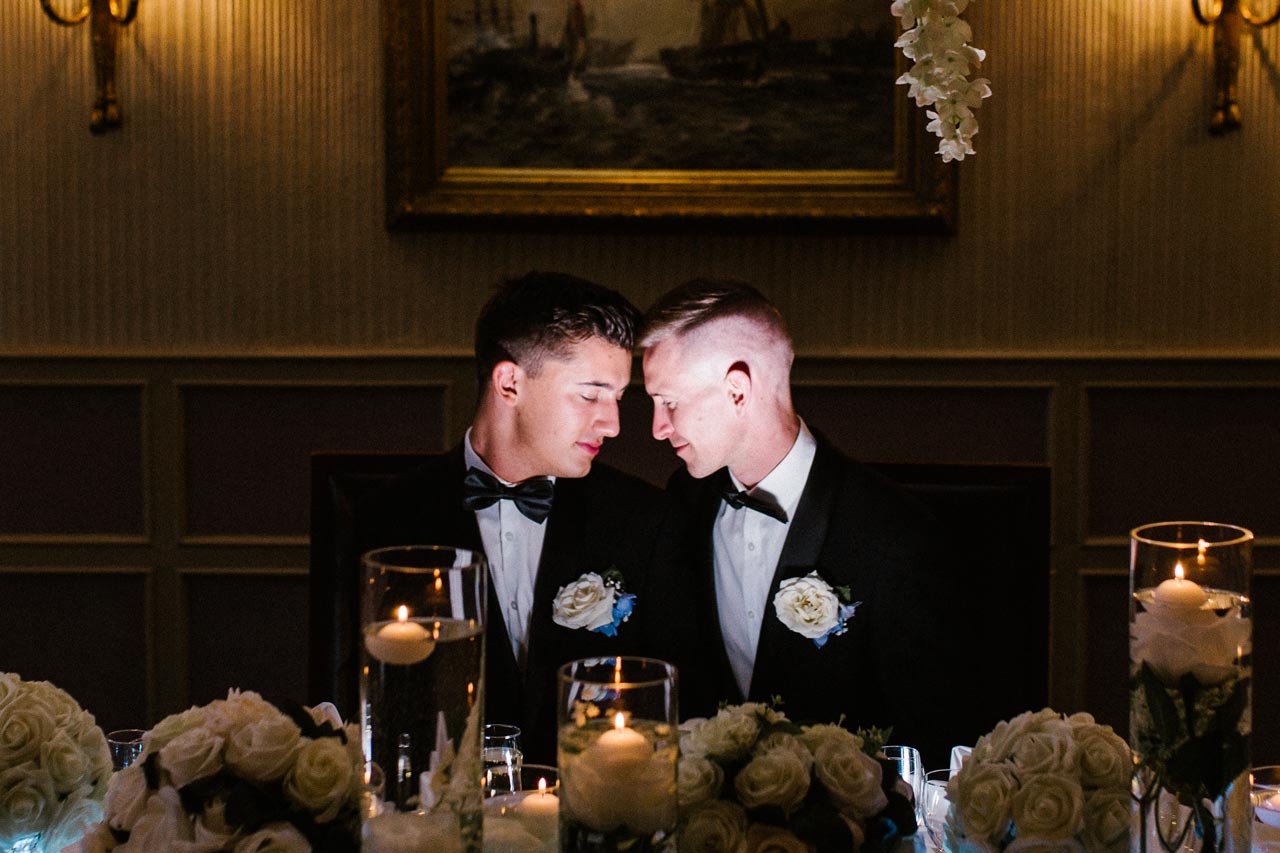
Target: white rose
column 26, row 723
column 1048, row 807
column 98, row 757
column 998, row 745
column 807, row 605
column 1044, row 752
column 763, row 838
column 275, row 838
column 777, row 778
column 815, row 736
column 585, row 603
column 97, row 840
column 698, row 780
column 224, row 717
column 727, row 735
column 126, row 797
column 76, row 816
column 321, row 778
column 27, row 801
column 762, row 712
column 982, row 797
column 790, row 743
column 164, row 827
column 10, row 686
column 1208, row 646
column 1104, row 757
column 715, row 827
column 851, row 777
column 170, row 727
column 192, row 755
column 66, row 762
column 1107, row 817
column 264, row 749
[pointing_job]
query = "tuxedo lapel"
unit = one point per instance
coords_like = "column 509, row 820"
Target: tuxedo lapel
column 800, row 554
column 706, row 507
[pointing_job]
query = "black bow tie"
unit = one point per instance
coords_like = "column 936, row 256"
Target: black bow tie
column 740, row 500
column 532, row 497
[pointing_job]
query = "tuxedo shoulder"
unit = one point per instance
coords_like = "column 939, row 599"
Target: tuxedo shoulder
column 902, row 520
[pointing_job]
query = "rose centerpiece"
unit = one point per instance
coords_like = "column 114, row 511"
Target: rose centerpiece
column 239, row 774
column 751, row 776
column 1046, row 782
column 54, row 766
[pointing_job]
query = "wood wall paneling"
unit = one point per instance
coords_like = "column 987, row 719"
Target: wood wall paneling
column 72, row 462
column 247, row 630
column 87, row 631
column 247, row 447
column 1185, row 452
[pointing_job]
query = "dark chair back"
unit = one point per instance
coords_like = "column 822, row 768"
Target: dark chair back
column 997, row 516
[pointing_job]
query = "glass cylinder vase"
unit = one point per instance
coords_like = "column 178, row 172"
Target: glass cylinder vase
column 421, row 684
column 1190, row 674
column 618, row 744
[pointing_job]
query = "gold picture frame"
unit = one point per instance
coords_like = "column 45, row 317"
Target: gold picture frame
column 422, row 188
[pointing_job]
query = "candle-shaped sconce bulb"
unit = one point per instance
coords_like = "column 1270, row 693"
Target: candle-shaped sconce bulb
column 400, row 642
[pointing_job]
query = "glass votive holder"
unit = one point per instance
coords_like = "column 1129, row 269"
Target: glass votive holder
column 528, row 819
column 1264, row 790
column 125, row 746
column 618, row 744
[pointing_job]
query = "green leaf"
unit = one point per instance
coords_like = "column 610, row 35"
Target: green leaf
column 1164, row 713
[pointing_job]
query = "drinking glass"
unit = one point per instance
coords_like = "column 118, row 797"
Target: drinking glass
column 618, row 743
column 502, row 759
column 934, row 806
column 375, row 789
column 423, row 616
column 125, row 746
column 909, row 768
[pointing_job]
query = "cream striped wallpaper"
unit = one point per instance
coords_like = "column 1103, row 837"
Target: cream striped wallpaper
column 240, row 208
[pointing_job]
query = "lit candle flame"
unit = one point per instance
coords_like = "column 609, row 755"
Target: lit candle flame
column 1179, row 572
column 402, row 614
column 368, row 774
column 542, row 785
column 439, row 584
column 619, row 720
column 617, row 670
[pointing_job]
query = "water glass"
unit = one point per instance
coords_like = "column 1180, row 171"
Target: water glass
column 421, row 691
column 502, row 759
column 125, row 746
column 934, row 807
column 617, row 749
column 909, row 768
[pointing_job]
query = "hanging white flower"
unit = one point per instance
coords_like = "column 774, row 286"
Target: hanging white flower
column 936, row 40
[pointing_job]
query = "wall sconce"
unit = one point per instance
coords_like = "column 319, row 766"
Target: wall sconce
column 105, row 20
column 1228, row 24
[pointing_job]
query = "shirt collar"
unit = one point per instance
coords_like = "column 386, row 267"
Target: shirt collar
column 785, row 483
column 471, row 459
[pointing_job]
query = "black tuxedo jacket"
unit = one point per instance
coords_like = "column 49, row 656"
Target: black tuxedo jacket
column 892, row 667
column 606, row 519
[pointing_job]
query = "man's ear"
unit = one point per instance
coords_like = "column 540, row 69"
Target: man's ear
column 507, row 381
column 738, row 384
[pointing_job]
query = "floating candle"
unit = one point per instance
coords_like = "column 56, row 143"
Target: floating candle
column 539, row 811
column 400, row 642
column 1178, row 592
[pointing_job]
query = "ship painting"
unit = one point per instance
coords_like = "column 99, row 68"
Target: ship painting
column 671, row 84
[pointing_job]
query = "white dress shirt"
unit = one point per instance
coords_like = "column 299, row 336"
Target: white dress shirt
column 513, row 546
column 747, row 546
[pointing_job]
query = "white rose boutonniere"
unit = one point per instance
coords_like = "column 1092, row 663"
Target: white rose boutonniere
column 596, row 602
column 814, row 608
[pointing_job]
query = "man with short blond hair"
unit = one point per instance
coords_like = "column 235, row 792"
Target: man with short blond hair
column 818, row 580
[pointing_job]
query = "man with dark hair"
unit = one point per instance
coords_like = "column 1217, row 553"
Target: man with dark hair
column 817, row 580
column 553, row 354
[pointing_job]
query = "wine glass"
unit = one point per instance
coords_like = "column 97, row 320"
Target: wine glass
column 934, row 807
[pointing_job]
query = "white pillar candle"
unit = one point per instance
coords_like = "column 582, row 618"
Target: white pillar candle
column 621, row 745
column 400, row 642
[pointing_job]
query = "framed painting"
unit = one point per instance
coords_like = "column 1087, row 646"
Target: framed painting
column 762, row 110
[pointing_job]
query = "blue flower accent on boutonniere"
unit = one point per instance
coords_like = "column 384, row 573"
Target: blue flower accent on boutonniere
column 596, row 602
column 814, row 608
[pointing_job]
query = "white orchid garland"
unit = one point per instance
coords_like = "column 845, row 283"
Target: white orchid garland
column 936, row 40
